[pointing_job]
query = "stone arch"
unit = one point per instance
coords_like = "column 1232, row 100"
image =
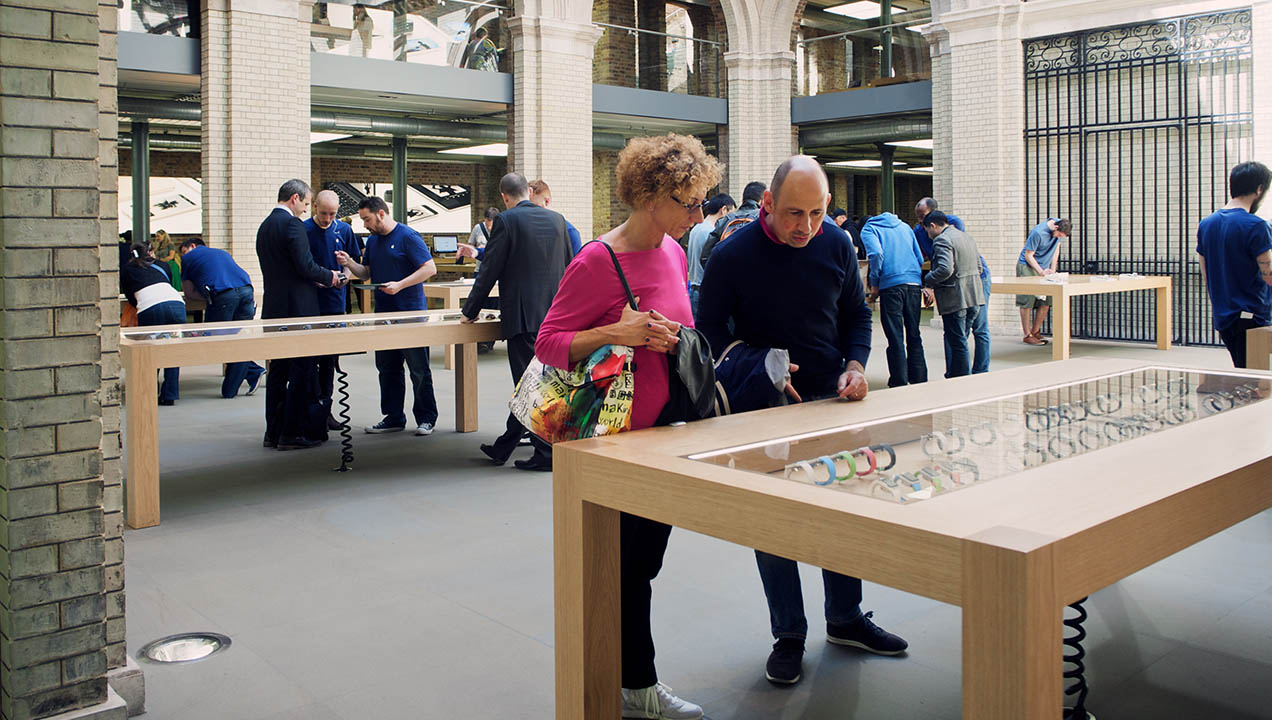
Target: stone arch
column 759, row 27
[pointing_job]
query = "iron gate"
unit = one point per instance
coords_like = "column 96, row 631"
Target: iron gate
column 1130, row 132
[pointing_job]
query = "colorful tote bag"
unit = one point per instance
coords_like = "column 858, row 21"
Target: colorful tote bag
column 592, row 399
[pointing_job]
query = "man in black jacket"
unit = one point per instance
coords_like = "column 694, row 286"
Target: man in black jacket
column 527, row 254
column 292, row 279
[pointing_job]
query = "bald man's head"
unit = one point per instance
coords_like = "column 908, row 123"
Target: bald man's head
column 796, row 200
column 326, row 205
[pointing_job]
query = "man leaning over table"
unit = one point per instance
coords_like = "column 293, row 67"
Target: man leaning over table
column 1039, row 258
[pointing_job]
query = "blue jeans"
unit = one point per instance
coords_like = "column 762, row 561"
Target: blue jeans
column 393, row 385
column 958, row 325
column 899, row 308
column 786, row 599
column 693, row 300
column 166, row 313
column 234, row 304
column 980, row 332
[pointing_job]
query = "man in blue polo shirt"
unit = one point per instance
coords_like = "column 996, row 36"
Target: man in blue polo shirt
column 1235, row 246
column 397, row 259
column 212, row 273
column 921, row 210
column 326, row 236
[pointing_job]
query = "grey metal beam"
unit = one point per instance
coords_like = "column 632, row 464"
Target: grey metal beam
column 915, row 97
column 652, row 103
column 887, row 178
column 885, row 38
column 141, row 181
column 402, row 78
column 866, row 131
column 165, row 54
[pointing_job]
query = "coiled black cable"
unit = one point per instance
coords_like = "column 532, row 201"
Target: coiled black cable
column 346, row 435
column 1075, row 685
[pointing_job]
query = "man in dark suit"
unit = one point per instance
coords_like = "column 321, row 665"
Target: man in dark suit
column 526, row 254
column 292, row 279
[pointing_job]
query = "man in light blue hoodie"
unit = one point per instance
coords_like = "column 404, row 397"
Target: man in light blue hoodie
column 896, row 278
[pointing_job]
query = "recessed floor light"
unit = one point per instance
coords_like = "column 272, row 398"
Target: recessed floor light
column 185, row 647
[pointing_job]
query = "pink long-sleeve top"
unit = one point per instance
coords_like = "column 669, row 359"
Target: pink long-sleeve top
column 591, row 295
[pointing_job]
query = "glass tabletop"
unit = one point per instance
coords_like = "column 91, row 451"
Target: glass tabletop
column 920, row 456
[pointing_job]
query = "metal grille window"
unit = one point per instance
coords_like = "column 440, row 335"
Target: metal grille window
column 1130, row 132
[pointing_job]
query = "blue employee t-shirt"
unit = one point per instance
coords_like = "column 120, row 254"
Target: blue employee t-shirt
column 212, row 270
column 392, row 257
column 1043, row 244
column 1230, row 240
column 323, row 244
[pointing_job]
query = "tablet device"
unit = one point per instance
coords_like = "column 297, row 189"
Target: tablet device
column 445, row 243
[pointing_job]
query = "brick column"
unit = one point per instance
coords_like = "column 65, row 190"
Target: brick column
column 1261, row 20
column 57, row 116
column 255, row 98
column 551, row 133
column 760, row 71
column 652, row 15
column 942, row 113
column 616, row 50
column 985, row 165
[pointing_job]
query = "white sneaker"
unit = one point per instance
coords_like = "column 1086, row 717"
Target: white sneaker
column 424, row 429
column 657, row 703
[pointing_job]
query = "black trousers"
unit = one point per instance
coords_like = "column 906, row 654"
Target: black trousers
column 291, row 391
column 327, row 365
column 520, row 353
column 1234, row 338
column 642, row 544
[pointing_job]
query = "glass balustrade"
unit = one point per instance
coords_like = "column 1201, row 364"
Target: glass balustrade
column 826, row 62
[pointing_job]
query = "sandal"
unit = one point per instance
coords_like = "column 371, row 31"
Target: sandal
column 1032, row 340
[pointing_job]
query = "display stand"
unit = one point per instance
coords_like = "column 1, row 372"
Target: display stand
column 1038, row 525
column 144, row 350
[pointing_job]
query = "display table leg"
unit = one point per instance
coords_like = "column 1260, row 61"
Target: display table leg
column 1012, row 649
column 1163, row 318
column 1060, row 326
column 466, row 388
column 141, row 469
column 588, row 627
column 1258, row 348
column 448, row 357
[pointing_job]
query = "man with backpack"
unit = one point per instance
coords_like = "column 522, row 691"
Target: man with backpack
column 752, row 194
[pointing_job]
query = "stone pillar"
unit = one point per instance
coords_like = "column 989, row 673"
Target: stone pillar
column 760, row 66
column 57, row 130
column 255, row 99
column 1261, row 20
column 551, row 138
column 942, row 109
column 986, row 164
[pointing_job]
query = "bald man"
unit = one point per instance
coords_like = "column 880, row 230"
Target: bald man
column 821, row 317
column 326, row 236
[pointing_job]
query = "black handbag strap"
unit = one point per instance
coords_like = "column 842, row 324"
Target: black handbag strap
column 631, row 299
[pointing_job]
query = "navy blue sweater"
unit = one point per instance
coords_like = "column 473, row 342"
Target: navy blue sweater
column 807, row 300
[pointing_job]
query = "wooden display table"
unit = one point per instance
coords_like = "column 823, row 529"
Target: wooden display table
column 248, row 340
column 452, row 295
column 1060, row 294
column 1258, row 347
column 1011, row 551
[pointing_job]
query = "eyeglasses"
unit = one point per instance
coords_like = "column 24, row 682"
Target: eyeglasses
column 690, row 206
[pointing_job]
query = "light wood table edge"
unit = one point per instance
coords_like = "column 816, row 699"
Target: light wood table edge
column 1259, row 348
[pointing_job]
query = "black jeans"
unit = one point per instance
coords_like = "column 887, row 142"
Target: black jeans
column 520, row 353
column 899, row 308
column 1234, row 338
column 393, row 385
column 291, row 389
column 958, row 325
column 642, row 544
column 327, row 365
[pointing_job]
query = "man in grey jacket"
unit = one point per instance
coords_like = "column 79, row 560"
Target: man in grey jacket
column 955, row 280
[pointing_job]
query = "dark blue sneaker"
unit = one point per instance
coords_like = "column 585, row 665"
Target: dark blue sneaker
column 865, row 635
column 784, row 662
column 254, row 379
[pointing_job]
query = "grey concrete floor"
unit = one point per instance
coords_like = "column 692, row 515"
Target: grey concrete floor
column 420, row 586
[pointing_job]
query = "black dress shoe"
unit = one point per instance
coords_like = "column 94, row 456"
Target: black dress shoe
column 269, row 442
column 166, row 402
column 297, row 443
column 333, row 423
column 492, row 452
column 541, row 464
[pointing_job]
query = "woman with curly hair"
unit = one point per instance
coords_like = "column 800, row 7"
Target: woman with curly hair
column 663, row 180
